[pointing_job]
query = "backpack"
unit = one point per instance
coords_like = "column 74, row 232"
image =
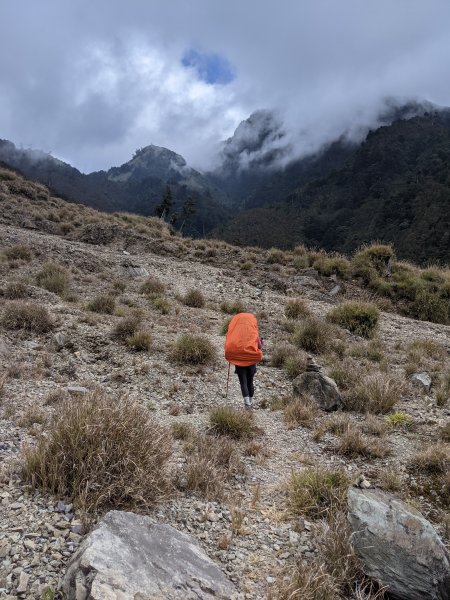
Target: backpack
column 241, row 342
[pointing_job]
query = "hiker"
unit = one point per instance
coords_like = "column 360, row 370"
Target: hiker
column 243, row 349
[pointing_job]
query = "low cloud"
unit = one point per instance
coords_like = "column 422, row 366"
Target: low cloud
column 92, row 82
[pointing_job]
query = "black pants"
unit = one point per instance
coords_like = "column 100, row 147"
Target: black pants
column 246, row 375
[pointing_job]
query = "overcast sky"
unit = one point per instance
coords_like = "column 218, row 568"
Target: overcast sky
column 92, row 80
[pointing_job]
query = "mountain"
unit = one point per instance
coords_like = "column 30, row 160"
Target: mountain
column 394, row 187
column 136, row 186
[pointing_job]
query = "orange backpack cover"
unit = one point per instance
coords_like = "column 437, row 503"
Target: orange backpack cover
column 241, row 343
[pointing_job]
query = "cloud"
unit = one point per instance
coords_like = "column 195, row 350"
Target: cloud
column 93, row 81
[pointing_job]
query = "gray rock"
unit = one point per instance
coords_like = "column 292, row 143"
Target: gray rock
column 129, row 557
column 130, row 269
column 75, row 390
column 335, row 291
column 422, row 380
column 398, row 546
column 60, row 340
column 321, row 388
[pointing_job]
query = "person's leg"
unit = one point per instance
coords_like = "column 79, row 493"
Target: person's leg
column 242, row 374
column 251, row 388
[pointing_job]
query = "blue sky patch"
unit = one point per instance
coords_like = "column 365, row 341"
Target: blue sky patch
column 211, row 68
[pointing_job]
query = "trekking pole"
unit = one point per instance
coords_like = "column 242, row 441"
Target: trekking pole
column 228, row 379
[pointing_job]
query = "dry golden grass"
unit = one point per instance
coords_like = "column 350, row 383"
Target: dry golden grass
column 432, row 460
column 314, row 335
column 376, row 393
column 102, row 304
column 193, row 350
column 127, row 327
column 210, row 463
column 141, row 341
column 152, row 286
column 16, row 290
column 296, row 309
column 316, row 491
column 194, row 298
column 301, row 411
column 102, row 452
column 354, row 443
column 235, row 423
column 27, row 316
column 54, row 278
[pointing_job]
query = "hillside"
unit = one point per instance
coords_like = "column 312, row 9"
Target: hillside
column 136, row 186
column 395, row 188
column 92, row 281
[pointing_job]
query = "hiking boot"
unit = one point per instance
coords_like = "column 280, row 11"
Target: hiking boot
column 248, row 403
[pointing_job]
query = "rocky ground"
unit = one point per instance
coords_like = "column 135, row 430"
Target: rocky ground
column 38, row 533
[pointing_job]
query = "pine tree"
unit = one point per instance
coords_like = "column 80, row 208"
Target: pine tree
column 163, row 209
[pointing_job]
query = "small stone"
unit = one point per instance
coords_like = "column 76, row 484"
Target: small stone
column 293, row 538
column 23, row 582
column 77, row 390
column 422, row 380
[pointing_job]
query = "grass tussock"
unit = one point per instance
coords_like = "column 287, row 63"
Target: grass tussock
column 26, row 316
column 102, row 304
column 435, row 460
column 232, row 307
column 377, row 393
column 301, row 411
column 15, row 290
column 194, row 350
column 18, row 252
column 354, row 443
column 232, row 422
column 127, row 327
column 54, row 278
column 314, row 335
column 152, row 286
column 296, row 309
column 316, row 491
column 360, row 318
column 102, row 453
column 194, row 298
column 141, row 341
column 210, row 463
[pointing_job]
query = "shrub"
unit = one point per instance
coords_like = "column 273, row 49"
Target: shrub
column 280, row 353
column 294, row 365
column 15, row 290
column 23, row 315
column 337, row 265
column 313, row 335
column 316, row 491
column 430, row 306
column 360, row 318
column 433, row 460
column 141, row 341
column 232, row 307
column 275, row 256
column 161, row 304
column 54, row 278
column 102, row 304
column 372, row 260
column 296, row 309
column 376, row 393
column 210, row 463
column 236, row 423
column 194, row 299
column 182, row 431
column 127, row 327
column 194, row 350
column 224, row 326
column 445, row 432
column 102, row 452
column 152, row 286
column 443, row 390
column 353, row 443
column 18, row 253
column 300, row 411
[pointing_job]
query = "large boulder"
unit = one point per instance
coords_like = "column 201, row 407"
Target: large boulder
column 128, row 557
column 318, row 386
column 398, row 547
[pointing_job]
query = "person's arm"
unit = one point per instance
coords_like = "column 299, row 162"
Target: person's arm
column 260, row 343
